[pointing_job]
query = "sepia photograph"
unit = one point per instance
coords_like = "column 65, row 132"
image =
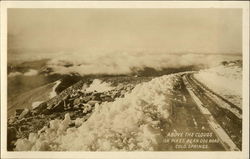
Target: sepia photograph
column 124, row 80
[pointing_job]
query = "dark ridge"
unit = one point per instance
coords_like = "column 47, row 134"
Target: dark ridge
column 67, row 81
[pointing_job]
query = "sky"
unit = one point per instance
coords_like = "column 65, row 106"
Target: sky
column 170, row 30
column 147, row 36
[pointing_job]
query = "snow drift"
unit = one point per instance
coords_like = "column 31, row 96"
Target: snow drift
column 134, row 122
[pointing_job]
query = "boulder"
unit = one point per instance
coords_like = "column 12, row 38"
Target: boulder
column 11, row 119
column 66, row 97
column 123, row 92
column 46, row 111
column 107, row 99
column 39, row 109
column 23, row 128
column 11, row 136
column 93, row 102
column 59, row 106
column 18, row 112
column 96, row 96
column 77, row 101
column 85, row 99
column 119, row 87
column 103, row 95
column 86, row 108
column 24, row 113
column 76, row 106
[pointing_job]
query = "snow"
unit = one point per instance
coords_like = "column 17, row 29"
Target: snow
column 99, row 86
column 131, row 123
column 218, row 130
column 36, row 104
column 225, row 81
column 53, row 93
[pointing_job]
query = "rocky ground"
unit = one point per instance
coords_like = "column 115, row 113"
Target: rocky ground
column 74, row 100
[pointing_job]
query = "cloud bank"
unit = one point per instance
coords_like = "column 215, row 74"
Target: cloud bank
column 120, row 62
column 30, row 72
column 125, row 63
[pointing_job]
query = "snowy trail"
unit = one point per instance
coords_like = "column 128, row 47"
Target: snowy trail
column 188, row 118
column 228, row 124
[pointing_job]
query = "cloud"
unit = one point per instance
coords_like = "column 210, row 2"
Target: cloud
column 120, row 62
column 13, row 74
column 30, row 72
column 124, row 62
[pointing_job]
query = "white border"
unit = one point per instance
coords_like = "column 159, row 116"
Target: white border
column 126, row 4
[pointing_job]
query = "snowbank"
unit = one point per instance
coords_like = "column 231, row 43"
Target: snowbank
column 134, row 122
column 225, row 81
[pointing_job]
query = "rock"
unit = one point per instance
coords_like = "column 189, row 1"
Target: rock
column 77, row 101
column 11, row 120
column 93, row 102
column 115, row 95
column 24, row 113
column 88, row 93
column 70, row 101
column 96, row 96
column 39, row 109
column 71, row 124
column 23, row 128
column 103, row 95
column 44, row 147
column 85, row 99
column 86, row 108
column 107, row 99
column 119, row 87
column 53, row 116
column 123, row 92
column 66, row 97
column 11, row 136
column 18, row 112
column 59, row 106
column 76, row 106
column 46, row 112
